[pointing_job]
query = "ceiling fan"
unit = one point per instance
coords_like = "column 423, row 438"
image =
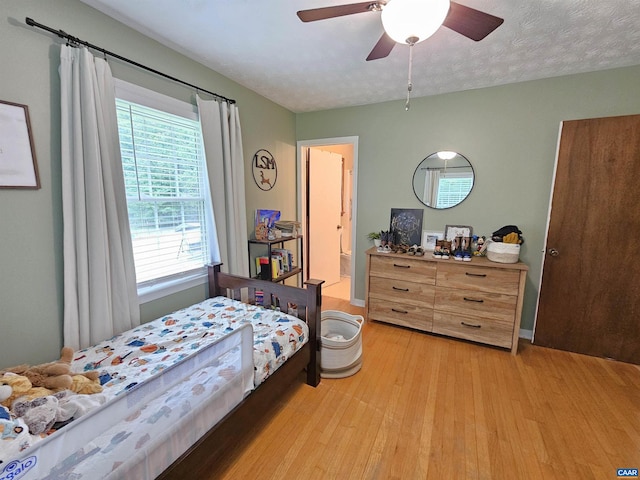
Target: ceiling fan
column 411, row 21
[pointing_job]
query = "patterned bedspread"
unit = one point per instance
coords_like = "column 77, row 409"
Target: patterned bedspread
column 129, row 358
column 128, row 363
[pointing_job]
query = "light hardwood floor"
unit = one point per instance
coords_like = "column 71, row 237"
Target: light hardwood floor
column 428, row 407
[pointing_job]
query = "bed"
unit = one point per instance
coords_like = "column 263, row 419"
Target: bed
column 183, row 389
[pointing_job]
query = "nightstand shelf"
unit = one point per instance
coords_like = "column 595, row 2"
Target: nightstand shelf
column 268, row 246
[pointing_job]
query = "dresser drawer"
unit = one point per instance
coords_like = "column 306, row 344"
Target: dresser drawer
column 400, row 314
column 412, row 293
column 479, row 300
column 483, row 279
column 483, row 330
column 408, row 269
column 475, row 303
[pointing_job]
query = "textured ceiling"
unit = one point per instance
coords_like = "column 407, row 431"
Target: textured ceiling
column 304, row 67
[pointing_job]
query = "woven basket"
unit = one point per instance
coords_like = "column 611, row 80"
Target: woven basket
column 503, row 252
column 341, row 344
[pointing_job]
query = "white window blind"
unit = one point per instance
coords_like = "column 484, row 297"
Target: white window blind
column 167, row 193
column 453, row 188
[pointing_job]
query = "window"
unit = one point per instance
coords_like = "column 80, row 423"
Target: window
column 166, row 186
column 453, row 188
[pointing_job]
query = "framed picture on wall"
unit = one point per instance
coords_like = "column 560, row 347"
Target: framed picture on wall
column 406, row 225
column 18, row 165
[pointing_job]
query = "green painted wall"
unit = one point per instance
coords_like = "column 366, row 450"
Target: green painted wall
column 509, row 133
column 31, row 268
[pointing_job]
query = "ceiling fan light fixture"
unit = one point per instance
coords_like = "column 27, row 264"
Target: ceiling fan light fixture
column 407, row 20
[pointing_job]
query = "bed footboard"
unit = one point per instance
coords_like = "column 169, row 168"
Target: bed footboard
column 234, row 429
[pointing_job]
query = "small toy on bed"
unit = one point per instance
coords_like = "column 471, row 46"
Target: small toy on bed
column 15, row 439
column 39, row 414
column 20, row 386
column 5, row 392
column 55, row 376
column 10, row 428
column 84, row 385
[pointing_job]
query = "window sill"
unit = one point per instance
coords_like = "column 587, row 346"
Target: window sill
column 149, row 293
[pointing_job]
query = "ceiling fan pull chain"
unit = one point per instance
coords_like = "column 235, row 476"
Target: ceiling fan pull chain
column 409, row 84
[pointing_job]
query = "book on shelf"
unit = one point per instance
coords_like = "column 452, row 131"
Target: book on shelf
column 281, row 262
column 262, row 267
column 262, row 264
column 286, row 258
column 276, row 267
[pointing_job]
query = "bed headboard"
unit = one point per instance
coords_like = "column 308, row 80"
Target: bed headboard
column 305, row 303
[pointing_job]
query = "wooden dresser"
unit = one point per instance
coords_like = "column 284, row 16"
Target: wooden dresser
column 479, row 300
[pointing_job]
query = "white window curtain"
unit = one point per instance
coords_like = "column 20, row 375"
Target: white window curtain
column 100, row 296
column 223, row 148
column 431, row 187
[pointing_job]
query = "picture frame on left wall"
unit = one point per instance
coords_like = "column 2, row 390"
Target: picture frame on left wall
column 18, row 163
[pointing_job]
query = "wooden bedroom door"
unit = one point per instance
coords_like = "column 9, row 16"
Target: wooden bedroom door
column 325, row 196
column 590, row 293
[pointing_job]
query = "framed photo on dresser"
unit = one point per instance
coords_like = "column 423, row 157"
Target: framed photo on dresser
column 429, row 239
column 453, row 231
column 406, row 225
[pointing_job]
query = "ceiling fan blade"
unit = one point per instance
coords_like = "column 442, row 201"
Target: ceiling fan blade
column 337, row 11
column 383, row 48
column 470, row 22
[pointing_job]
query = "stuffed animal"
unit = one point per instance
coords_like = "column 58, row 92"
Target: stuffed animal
column 5, row 391
column 84, row 385
column 55, row 376
column 39, row 414
column 19, row 386
column 17, row 437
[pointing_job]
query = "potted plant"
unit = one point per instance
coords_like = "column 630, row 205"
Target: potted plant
column 375, row 236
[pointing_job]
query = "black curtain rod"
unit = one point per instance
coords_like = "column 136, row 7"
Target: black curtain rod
column 75, row 40
column 442, row 168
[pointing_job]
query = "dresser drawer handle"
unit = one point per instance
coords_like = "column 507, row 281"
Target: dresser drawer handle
column 400, row 289
column 470, row 325
column 401, row 266
column 475, row 274
column 467, row 299
column 399, row 311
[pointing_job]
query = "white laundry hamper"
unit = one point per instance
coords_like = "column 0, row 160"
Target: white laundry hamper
column 340, row 344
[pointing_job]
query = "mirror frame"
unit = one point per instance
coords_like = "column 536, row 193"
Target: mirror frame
column 413, row 180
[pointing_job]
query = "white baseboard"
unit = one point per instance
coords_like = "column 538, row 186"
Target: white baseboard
column 528, row 334
column 357, row 302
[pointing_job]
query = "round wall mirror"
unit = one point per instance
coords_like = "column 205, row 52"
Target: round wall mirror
column 443, row 180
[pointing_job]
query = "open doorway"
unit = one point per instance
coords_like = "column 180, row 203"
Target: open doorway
column 328, row 171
